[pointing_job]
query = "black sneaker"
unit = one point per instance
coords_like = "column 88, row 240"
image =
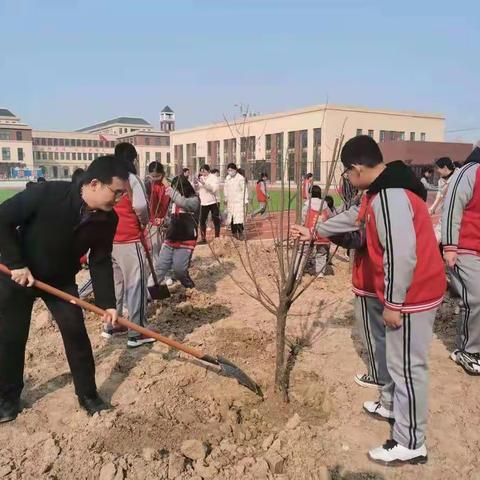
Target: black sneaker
column 9, row 410
column 93, row 404
column 366, row 380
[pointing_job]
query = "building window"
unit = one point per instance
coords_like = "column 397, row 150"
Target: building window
column 43, row 141
column 89, row 143
column 168, row 157
column 55, row 142
column 19, row 135
column 6, row 154
column 49, row 142
column 95, row 143
column 90, row 156
column 66, row 172
column 147, row 141
column 412, row 136
column 44, row 155
column 62, row 156
column 304, row 138
column 38, row 155
column 67, row 155
column 79, row 142
column 56, row 156
column 61, row 142
column 85, row 158
column 158, row 156
column 370, row 133
column 389, row 135
column 74, row 156
column 291, row 139
column 359, row 132
column 158, row 141
column 268, row 142
column 67, row 142
column 50, row 156
column 84, row 143
column 147, row 157
column 422, row 136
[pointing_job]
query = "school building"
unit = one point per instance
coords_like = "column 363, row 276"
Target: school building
column 284, row 144
column 303, row 140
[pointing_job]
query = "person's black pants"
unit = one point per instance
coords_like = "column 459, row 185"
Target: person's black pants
column 237, row 229
column 15, row 312
column 215, row 211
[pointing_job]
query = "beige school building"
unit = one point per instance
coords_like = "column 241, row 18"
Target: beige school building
column 303, row 139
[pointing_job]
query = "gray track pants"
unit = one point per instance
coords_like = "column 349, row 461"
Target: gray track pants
column 465, row 279
column 369, row 315
column 130, row 276
column 177, row 259
column 406, row 392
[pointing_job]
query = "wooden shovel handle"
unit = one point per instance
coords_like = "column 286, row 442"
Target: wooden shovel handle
column 122, row 321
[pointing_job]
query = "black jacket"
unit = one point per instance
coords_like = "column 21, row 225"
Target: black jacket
column 47, row 228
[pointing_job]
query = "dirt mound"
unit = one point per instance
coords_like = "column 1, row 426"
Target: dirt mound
column 176, row 418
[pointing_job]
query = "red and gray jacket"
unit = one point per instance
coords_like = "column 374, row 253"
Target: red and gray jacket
column 461, row 210
column 403, row 261
column 132, row 211
column 158, row 200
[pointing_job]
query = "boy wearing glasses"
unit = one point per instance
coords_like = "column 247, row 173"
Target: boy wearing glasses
column 408, row 279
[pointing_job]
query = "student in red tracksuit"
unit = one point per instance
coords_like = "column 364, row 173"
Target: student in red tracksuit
column 408, row 279
column 182, row 233
column 262, row 195
column 128, row 255
column 311, row 215
column 461, row 247
column 158, row 202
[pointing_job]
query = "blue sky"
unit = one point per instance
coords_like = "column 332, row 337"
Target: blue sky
column 67, row 63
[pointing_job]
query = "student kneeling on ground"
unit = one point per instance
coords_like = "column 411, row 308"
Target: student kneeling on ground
column 44, row 231
column 409, row 281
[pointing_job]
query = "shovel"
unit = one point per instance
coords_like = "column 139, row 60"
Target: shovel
column 157, row 291
column 226, row 367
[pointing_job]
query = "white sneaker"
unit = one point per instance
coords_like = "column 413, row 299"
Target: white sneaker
column 392, row 454
column 135, row 342
column 470, row 362
column 168, row 282
column 366, row 380
column 376, row 410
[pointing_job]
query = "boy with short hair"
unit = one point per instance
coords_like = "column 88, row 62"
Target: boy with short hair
column 408, row 279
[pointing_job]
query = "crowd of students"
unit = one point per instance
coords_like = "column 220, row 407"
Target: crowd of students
column 114, row 220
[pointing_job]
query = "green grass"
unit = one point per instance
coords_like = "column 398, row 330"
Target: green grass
column 276, row 197
column 6, row 193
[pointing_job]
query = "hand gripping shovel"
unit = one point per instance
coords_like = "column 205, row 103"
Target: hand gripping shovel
column 226, row 367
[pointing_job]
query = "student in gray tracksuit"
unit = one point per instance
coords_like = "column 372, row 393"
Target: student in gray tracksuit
column 409, row 280
column 129, row 260
column 461, row 246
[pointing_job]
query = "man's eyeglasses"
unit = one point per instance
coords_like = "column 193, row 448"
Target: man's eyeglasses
column 118, row 193
column 347, row 171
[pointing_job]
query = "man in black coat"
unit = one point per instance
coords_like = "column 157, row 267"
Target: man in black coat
column 44, row 231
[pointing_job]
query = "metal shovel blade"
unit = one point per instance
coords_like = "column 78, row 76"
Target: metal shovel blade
column 231, row 370
column 158, row 292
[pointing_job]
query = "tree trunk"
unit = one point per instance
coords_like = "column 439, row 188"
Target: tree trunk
column 280, row 343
